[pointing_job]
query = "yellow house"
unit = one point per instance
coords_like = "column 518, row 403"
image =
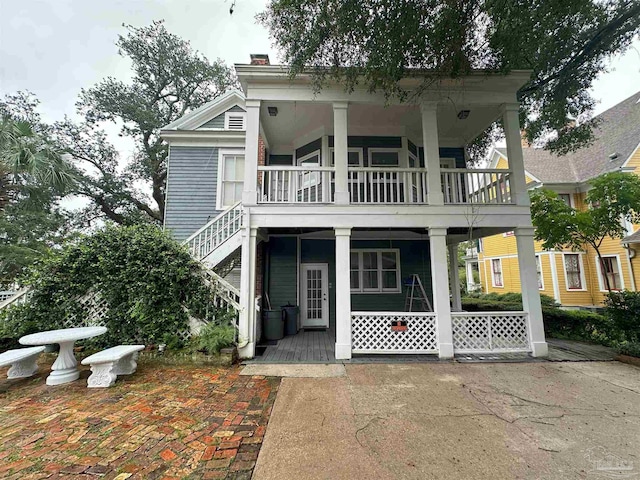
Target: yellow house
column 573, row 278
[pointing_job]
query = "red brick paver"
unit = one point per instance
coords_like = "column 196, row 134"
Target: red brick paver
column 162, row 422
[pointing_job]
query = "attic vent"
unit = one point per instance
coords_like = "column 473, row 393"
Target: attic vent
column 234, row 121
column 613, row 156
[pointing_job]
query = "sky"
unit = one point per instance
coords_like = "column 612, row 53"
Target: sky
column 55, row 48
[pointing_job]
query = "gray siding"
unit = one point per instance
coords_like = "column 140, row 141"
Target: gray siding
column 192, row 176
column 218, row 122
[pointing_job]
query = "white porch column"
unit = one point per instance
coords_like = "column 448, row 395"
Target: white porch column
column 454, row 278
column 440, row 286
column 343, row 293
column 250, row 189
column 340, row 150
column 518, row 184
column 247, row 320
column 429, row 112
column 530, row 292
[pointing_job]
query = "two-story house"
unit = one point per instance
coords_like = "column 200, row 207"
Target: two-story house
column 341, row 201
column 575, row 278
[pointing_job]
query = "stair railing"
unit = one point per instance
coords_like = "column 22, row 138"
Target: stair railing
column 215, row 232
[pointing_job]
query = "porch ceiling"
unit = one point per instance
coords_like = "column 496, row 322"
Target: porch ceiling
column 298, row 122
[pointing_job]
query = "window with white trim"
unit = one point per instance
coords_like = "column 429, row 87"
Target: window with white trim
column 573, row 271
column 539, row 272
column 496, row 272
column 232, row 179
column 374, row 271
column 609, row 268
column 384, row 157
column 234, row 120
column 354, row 157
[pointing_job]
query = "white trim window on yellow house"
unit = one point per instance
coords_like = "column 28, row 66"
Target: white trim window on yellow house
column 612, row 269
column 574, row 277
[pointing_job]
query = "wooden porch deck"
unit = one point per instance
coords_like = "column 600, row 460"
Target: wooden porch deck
column 308, row 346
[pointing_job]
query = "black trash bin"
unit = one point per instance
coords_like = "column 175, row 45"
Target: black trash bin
column 290, row 314
column 273, row 325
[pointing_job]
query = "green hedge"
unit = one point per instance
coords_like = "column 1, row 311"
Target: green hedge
column 149, row 282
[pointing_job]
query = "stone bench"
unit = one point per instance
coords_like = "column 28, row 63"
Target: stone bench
column 22, row 361
column 108, row 364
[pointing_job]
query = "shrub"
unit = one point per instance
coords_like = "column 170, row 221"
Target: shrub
column 215, row 336
column 149, row 282
column 623, row 309
column 513, row 297
column 630, row 348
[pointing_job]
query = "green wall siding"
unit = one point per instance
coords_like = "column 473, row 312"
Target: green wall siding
column 414, row 258
column 283, row 277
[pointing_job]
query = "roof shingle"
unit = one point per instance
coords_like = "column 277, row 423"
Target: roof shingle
column 618, row 133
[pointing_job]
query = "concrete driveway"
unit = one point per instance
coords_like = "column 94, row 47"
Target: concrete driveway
column 457, row 421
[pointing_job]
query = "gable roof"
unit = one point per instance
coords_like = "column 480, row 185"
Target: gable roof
column 215, row 107
column 633, row 238
column 618, row 132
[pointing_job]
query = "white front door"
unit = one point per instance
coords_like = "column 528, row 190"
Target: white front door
column 315, row 295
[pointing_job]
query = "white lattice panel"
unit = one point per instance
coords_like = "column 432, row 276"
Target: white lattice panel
column 490, row 332
column 95, row 308
column 371, row 333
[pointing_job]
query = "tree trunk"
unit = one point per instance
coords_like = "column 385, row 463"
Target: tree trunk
column 602, row 270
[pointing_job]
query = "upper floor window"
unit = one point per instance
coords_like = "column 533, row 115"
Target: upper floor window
column 573, row 271
column 231, row 178
column 384, row 157
column 610, row 270
column 234, row 121
column 566, row 198
column 496, row 271
column 375, row 271
column 354, row 157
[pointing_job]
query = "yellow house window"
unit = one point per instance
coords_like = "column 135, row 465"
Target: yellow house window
column 572, row 267
column 539, row 272
column 496, row 268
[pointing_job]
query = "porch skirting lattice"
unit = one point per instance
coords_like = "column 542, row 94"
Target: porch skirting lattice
column 372, row 333
column 484, row 332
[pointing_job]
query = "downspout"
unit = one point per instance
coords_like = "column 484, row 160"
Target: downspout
column 628, row 249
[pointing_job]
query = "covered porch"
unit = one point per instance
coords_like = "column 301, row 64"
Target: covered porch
column 358, row 296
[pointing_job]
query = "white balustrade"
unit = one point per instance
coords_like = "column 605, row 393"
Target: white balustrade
column 18, row 298
column 486, row 332
column 387, row 185
column 393, row 332
column 215, row 232
column 305, row 184
column 476, row 186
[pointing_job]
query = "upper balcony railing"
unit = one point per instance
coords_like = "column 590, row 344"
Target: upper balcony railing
column 476, row 186
column 380, row 186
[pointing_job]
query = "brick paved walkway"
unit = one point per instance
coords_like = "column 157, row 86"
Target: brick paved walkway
column 163, row 422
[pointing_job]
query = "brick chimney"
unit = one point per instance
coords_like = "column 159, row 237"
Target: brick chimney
column 523, row 139
column 260, row 59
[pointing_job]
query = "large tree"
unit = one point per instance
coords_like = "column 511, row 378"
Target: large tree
column 373, row 43
column 168, row 79
column 34, row 175
column 612, row 197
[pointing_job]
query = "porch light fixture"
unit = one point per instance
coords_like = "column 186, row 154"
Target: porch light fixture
column 273, row 111
column 463, row 114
